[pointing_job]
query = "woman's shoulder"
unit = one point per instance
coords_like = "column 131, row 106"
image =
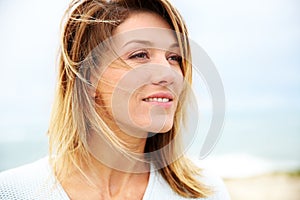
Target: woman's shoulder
column 211, row 179
column 24, row 173
column 30, row 181
column 160, row 189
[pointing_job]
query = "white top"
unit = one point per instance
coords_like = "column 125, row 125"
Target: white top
column 36, row 181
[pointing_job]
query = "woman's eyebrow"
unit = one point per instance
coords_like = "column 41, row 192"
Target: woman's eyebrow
column 145, row 42
column 151, row 44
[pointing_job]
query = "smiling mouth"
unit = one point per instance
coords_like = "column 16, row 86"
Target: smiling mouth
column 159, row 100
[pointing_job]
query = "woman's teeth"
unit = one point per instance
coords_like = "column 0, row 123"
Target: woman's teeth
column 161, row 100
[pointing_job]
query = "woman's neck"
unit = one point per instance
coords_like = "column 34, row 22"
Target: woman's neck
column 101, row 182
column 110, row 172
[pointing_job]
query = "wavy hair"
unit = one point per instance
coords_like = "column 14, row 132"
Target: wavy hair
column 86, row 24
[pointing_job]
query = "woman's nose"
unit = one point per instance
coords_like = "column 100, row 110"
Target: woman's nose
column 162, row 75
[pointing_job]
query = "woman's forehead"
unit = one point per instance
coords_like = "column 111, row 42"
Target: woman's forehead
column 142, row 19
column 158, row 38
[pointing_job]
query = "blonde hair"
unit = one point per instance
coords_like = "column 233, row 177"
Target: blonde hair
column 87, row 23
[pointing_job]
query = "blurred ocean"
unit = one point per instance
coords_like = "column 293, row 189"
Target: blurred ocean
column 15, row 154
column 246, row 147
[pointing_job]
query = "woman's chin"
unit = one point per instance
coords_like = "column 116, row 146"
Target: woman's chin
column 162, row 128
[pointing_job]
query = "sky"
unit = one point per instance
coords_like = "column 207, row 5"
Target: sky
column 254, row 45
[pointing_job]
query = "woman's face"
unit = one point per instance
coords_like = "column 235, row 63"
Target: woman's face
column 143, row 96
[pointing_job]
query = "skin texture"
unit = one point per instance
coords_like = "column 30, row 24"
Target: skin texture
column 157, row 73
column 152, row 71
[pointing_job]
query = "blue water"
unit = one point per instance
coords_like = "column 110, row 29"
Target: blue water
column 15, row 154
column 261, row 135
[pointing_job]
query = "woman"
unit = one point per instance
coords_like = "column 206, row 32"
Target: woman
column 120, row 105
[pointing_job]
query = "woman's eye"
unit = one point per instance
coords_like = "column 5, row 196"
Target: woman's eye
column 140, row 55
column 175, row 58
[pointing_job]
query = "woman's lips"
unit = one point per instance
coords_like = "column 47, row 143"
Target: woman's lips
column 162, row 99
